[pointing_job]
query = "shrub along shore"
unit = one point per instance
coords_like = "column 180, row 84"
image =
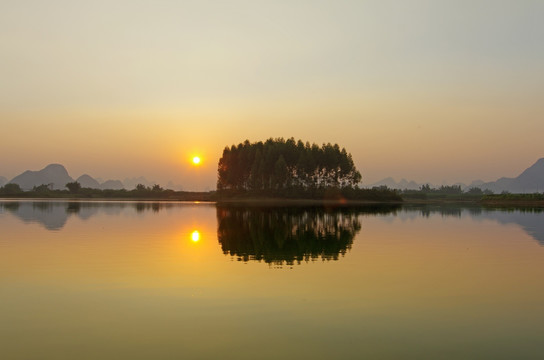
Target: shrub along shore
column 331, row 196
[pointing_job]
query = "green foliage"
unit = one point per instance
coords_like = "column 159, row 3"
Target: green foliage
column 279, row 167
column 42, row 188
column 141, row 187
column 73, row 187
column 475, row 191
column 11, row 189
column 157, row 188
column 141, row 192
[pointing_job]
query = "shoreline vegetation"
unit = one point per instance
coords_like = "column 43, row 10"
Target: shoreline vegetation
column 283, row 172
column 366, row 196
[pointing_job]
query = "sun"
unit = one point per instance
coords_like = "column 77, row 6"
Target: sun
column 195, row 236
column 196, row 160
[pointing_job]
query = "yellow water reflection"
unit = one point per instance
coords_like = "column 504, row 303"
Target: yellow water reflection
column 164, row 281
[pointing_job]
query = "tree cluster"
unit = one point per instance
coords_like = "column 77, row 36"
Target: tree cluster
column 277, row 165
column 75, row 190
column 10, row 189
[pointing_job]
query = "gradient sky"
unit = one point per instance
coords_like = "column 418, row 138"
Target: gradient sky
column 434, row 91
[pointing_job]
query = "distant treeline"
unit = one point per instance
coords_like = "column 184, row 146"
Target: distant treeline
column 445, row 191
column 74, row 190
column 292, row 169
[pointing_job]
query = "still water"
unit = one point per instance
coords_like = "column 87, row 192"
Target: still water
column 142, row 280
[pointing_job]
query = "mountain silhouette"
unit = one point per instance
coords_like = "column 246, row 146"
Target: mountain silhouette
column 130, row 183
column 112, row 185
column 87, row 181
column 57, row 176
column 53, row 174
column 3, row 181
column 529, row 181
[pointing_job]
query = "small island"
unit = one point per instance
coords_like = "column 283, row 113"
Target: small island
column 291, row 170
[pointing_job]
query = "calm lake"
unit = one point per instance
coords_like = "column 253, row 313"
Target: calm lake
column 148, row 280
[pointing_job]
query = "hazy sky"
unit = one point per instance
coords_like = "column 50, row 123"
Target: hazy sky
column 438, row 91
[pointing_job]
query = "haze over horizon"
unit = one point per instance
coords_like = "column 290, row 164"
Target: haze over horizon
column 438, row 92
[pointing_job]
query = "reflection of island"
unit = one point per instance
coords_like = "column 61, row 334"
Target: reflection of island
column 53, row 215
column 285, row 235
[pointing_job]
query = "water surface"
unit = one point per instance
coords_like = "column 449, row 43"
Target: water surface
column 140, row 280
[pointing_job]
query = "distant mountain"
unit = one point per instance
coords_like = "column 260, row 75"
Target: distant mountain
column 475, row 184
column 529, row 181
column 3, row 181
column 112, row 185
column 172, row 186
column 130, row 183
column 87, row 181
column 392, row 184
column 57, row 175
column 54, row 174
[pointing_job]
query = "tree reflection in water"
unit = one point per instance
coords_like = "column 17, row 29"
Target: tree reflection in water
column 285, row 236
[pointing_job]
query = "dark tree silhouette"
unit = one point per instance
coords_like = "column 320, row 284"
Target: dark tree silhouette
column 141, row 187
column 73, row 187
column 42, row 188
column 157, row 187
column 281, row 166
column 11, row 189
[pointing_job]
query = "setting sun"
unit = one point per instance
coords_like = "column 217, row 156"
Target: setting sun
column 195, row 236
column 196, row 160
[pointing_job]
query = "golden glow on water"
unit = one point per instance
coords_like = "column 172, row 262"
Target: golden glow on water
column 195, row 236
column 426, row 284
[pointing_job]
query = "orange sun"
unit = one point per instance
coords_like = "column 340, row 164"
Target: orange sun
column 196, row 160
column 195, row 236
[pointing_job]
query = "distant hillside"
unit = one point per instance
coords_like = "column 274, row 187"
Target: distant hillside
column 54, row 174
column 130, row 183
column 58, row 176
column 87, row 181
column 3, row 181
column 529, row 181
column 112, row 185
